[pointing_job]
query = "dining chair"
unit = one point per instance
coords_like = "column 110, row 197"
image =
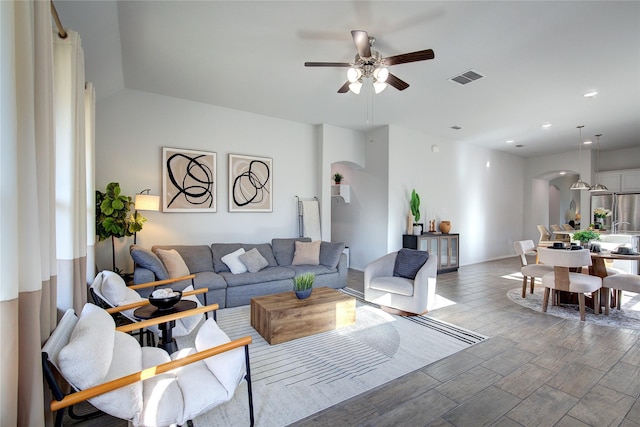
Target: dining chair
column 545, row 239
column 622, row 282
column 558, row 233
column 562, row 279
column 568, row 227
column 526, row 248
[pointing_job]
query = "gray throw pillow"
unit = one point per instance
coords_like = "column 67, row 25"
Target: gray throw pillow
column 408, row 262
column 253, row 260
column 330, row 253
column 147, row 259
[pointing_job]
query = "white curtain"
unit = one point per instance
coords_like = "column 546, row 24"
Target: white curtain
column 34, row 224
column 71, row 170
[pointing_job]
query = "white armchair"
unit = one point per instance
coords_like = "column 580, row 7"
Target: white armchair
column 415, row 296
column 144, row 385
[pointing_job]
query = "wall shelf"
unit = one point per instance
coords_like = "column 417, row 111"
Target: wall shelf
column 341, row 192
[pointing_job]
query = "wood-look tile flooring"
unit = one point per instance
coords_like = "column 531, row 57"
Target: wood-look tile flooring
column 534, row 370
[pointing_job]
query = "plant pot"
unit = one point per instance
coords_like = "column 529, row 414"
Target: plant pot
column 417, row 229
column 304, row 294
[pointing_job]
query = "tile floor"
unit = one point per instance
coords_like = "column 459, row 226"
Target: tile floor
column 535, row 370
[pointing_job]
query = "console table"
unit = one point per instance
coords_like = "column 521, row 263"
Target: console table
column 446, row 246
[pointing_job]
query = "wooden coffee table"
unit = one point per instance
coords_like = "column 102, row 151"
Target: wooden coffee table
column 283, row 317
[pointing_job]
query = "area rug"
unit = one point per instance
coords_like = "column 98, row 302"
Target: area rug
column 627, row 317
column 298, row 378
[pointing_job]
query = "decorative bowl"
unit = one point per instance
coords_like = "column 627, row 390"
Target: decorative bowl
column 167, row 302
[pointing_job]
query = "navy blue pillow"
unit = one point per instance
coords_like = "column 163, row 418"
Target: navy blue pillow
column 408, row 262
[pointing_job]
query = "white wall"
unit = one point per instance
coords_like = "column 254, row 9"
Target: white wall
column 477, row 189
column 132, row 127
column 620, row 159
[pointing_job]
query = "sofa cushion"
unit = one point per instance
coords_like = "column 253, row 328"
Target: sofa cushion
column 197, row 257
column 221, row 249
column 253, row 260
column 408, row 262
column 283, row 249
column 307, row 253
column 268, row 274
column 232, row 260
column 318, row 270
column 330, row 253
column 147, row 259
column 173, row 262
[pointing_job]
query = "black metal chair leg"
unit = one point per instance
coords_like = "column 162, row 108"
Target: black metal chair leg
column 247, row 377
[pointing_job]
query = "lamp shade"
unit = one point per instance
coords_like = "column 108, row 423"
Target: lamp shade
column 147, row 202
column 355, row 87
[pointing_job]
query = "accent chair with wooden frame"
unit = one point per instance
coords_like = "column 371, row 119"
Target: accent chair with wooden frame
column 144, row 385
column 562, row 279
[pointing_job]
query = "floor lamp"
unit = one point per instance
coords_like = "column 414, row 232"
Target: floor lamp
column 145, row 202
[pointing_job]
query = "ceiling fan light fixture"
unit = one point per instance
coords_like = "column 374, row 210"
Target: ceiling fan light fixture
column 379, row 86
column 355, row 87
column 354, row 74
column 381, row 74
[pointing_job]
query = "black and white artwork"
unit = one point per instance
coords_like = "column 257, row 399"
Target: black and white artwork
column 188, row 180
column 250, row 183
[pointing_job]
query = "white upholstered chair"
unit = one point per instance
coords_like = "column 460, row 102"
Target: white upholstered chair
column 622, row 282
column 109, row 291
column 561, row 279
column 144, row 385
column 411, row 296
column 526, row 248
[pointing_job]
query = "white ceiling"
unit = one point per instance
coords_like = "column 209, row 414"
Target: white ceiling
column 539, row 58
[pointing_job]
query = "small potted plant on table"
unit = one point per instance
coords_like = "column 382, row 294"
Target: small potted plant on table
column 585, row 236
column 303, row 285
column 337, row 178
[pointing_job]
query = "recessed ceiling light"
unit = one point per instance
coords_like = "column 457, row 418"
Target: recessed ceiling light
column 591, row 94
column 509, row 141
column 519, row 146
column 587, row 142
column 563, row 173
column 456, row 127
column 546, row 125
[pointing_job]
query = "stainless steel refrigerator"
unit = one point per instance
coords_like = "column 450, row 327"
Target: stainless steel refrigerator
column 627, row 213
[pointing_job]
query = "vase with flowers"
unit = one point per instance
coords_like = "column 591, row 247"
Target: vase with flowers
column 599, row 214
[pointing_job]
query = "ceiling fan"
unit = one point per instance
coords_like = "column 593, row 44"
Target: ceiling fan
column 369, row 63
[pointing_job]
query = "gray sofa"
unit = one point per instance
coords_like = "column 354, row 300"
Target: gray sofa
column 231, row 290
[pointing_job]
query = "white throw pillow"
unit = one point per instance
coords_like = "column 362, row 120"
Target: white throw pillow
column 173, row 262
column 232, row 261
column 116, row 291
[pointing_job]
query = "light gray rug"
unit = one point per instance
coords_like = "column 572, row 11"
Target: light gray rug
column 627, row 317
column 295, row 379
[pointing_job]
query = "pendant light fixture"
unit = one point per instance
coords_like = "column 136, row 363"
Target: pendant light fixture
column 597, row 187
column 580, row 185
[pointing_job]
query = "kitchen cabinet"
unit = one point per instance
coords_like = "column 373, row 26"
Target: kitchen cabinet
column 620, row 181
column 445, row 246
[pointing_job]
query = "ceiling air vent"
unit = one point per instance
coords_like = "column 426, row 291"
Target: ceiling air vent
column 466, row 77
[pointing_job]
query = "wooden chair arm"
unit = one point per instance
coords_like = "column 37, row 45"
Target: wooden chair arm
column 169, row 317
column 142, row 302
column 162, row 282
column 88, row 393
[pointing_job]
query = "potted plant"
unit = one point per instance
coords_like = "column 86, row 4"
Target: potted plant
column 585, row 236
column 415, row 211
column 337, row 178
column 113, row 219
column 303, row 285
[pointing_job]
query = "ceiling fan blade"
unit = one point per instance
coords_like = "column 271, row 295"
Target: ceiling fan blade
column 421, row 55
column 327, row 64
column 361, row 39
column 396, row 82
column 344, row 88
